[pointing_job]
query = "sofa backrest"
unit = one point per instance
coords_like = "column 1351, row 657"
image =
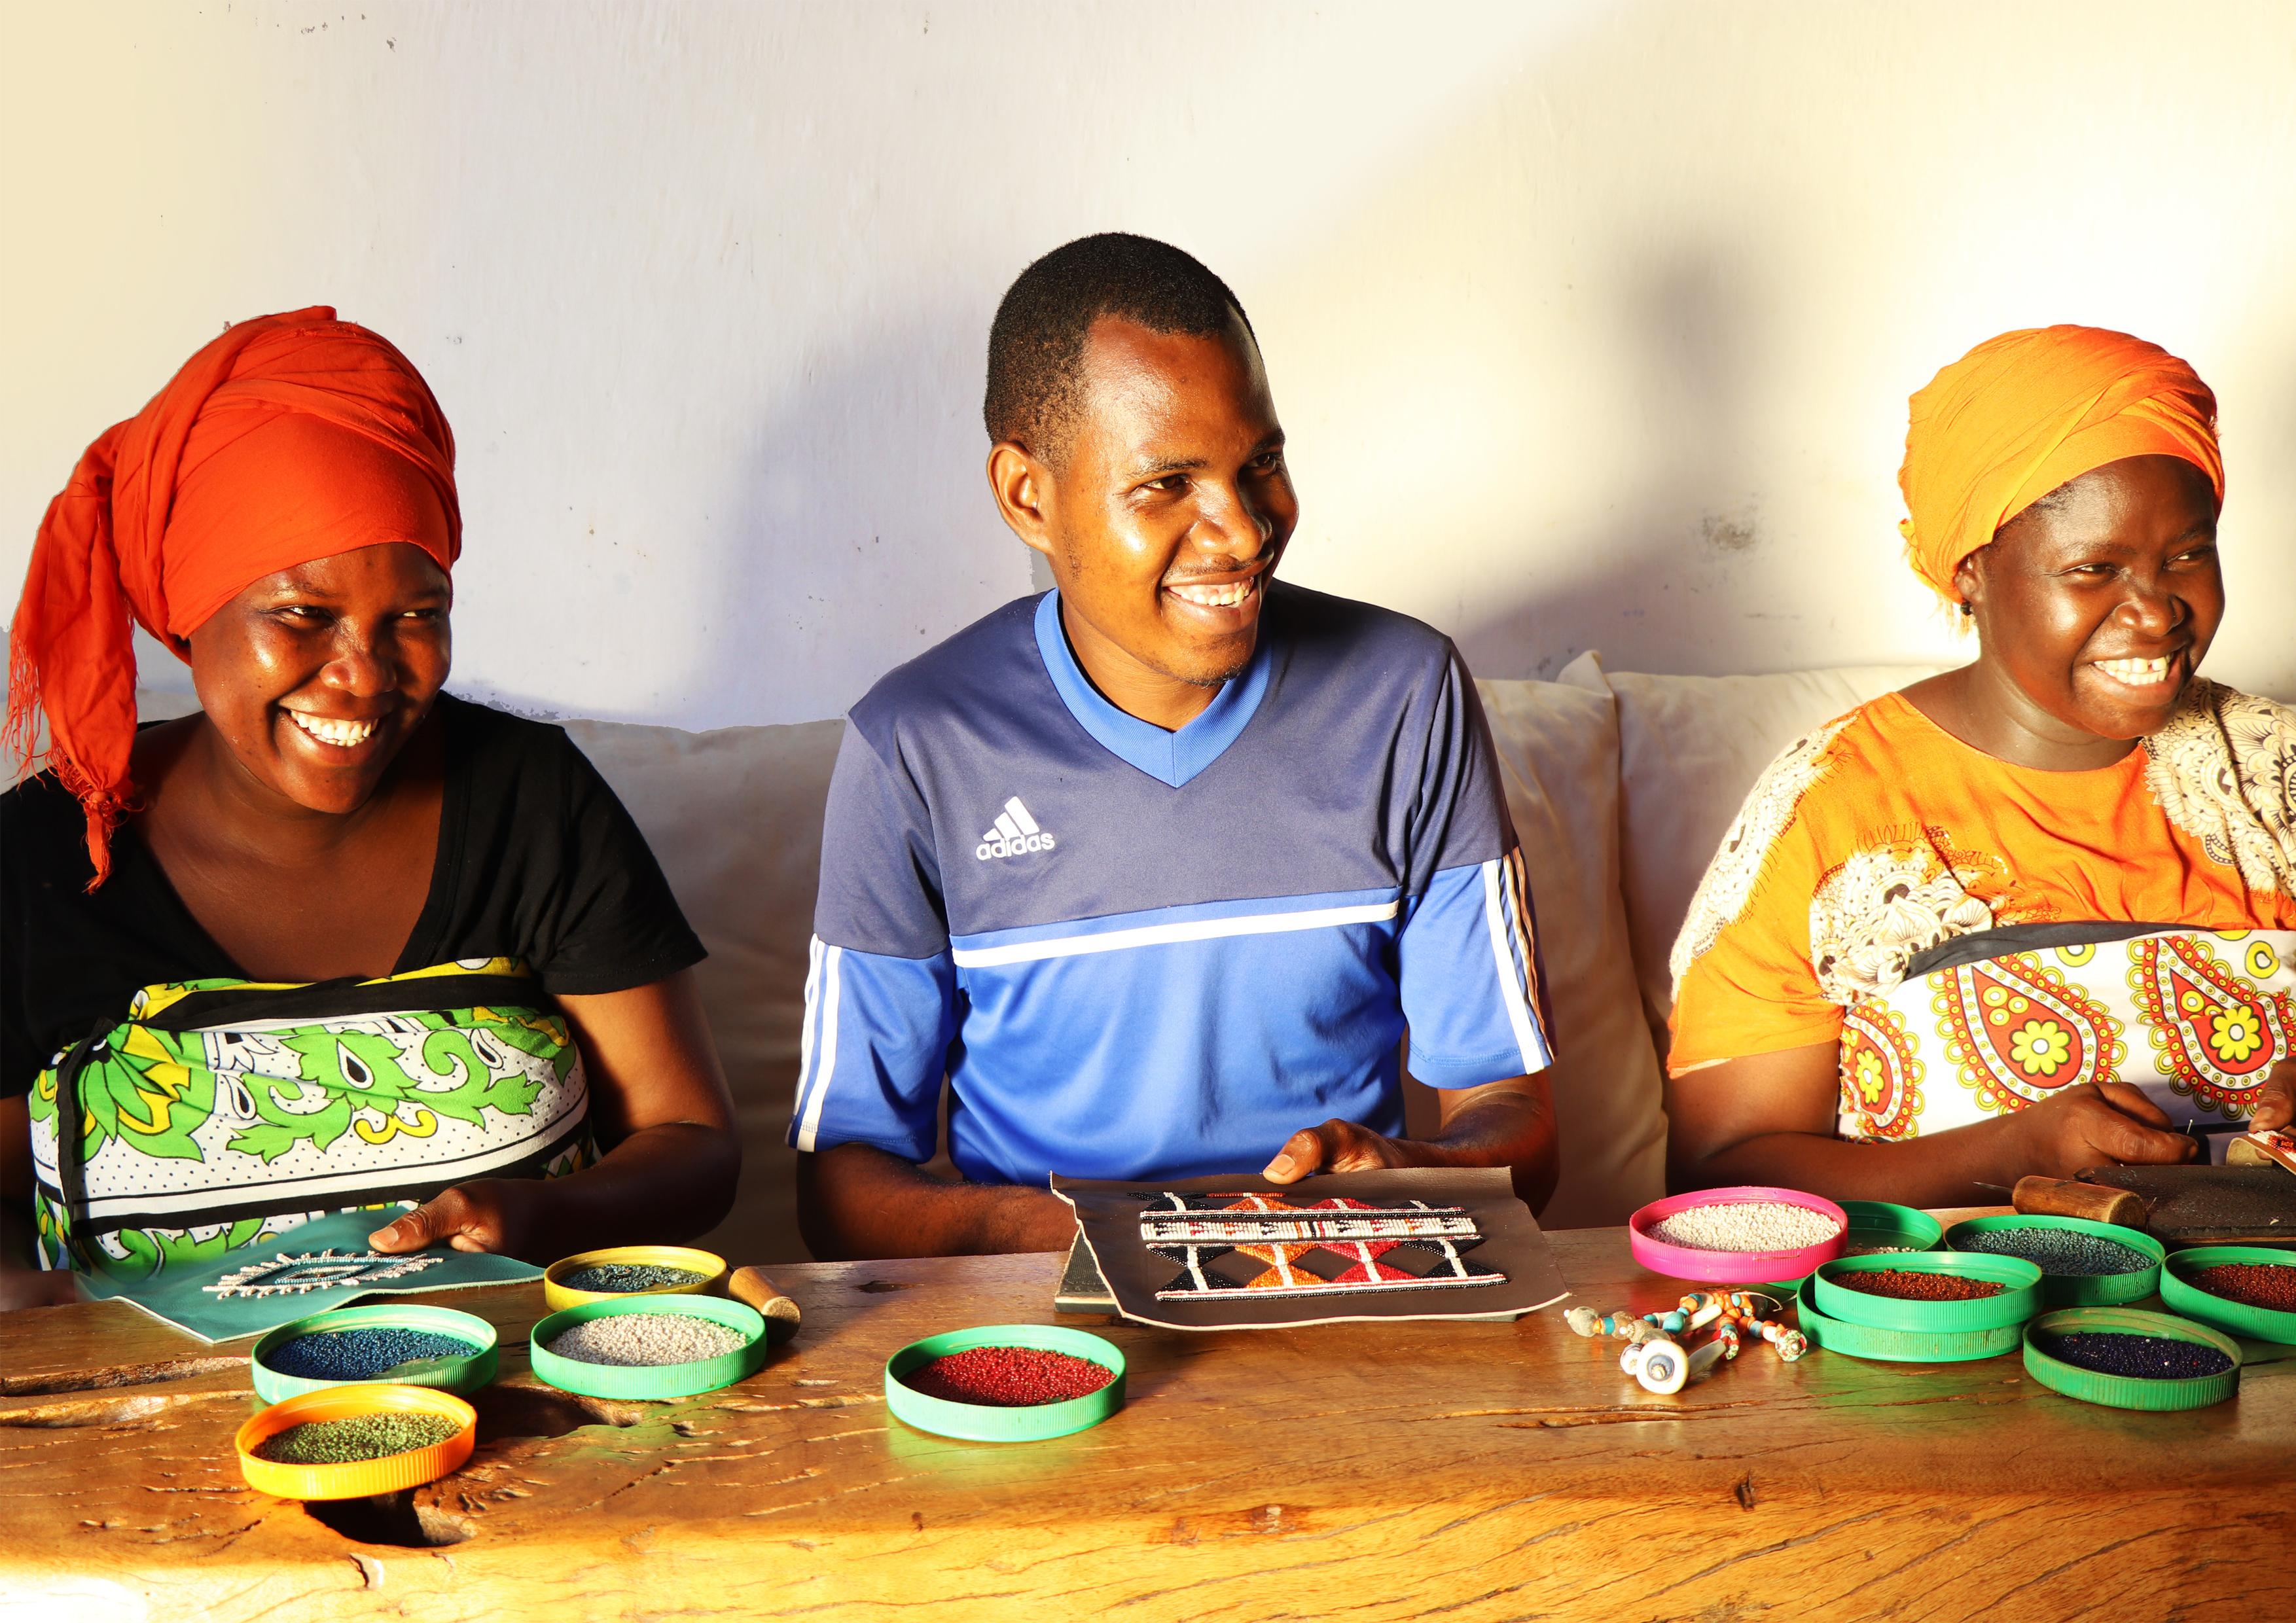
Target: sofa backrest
column 1619, row 787
column 1689, row 749
column 733, row 816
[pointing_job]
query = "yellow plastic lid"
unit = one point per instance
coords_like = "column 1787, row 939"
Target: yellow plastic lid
column 356, row 1479
column 708, row 1265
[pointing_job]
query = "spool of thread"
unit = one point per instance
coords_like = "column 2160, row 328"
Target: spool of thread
column 1666, row 1369
column 2051, row 1197
column 750, row 1284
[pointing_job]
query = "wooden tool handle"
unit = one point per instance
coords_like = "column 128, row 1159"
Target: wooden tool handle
column 2051, row 1197
column 751, row 1285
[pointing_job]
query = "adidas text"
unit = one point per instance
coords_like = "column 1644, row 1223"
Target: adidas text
column 1014, row 834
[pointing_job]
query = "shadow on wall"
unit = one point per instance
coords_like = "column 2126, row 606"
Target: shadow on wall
column 1686, row 333
column 816, row 554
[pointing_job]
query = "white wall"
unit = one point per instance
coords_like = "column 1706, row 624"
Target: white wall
column 1591, row 324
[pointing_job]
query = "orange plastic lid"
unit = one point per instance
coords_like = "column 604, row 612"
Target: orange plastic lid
column 356, row 1479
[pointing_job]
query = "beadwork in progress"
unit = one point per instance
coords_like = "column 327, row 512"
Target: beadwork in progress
column 362, row 1436
column 364, row 1354
column 1264, row 1244
column 647, row 1339
column 1008, row 1377
column 1232, row 1253
column 307, row 1271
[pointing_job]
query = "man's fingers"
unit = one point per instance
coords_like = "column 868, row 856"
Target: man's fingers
column 1302, row 1154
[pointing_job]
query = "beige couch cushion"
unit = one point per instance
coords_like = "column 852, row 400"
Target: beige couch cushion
column 734, row 818
column 1558, row 747
column 1689, row 748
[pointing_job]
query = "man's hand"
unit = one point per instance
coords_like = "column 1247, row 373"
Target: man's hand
column 1336, row 1146
column 2277, row 1107
column 1500, row 1124
column 503, row 1215
column 2095, row 1123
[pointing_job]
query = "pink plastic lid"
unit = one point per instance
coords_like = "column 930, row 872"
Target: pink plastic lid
column 1732, row 1267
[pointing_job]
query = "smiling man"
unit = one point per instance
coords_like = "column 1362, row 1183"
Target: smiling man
column 1157, row 869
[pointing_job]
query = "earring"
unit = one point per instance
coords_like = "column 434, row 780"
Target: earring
column 1967, row 608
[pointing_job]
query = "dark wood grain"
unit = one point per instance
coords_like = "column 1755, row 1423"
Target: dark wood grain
column 1395, row 1471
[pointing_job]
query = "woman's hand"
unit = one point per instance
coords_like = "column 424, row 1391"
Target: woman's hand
column 497, row 1214
column 2277, row 1107
column 2095, row 1123
column 660, row 1111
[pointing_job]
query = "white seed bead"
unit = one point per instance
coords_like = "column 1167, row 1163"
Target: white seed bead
column 1746, row 1226
column 645, row 1339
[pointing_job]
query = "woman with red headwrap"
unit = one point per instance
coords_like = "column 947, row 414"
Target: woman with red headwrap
column 2035, row 914
column 338, row 939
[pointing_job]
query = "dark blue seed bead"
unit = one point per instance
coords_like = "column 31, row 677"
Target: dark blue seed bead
column 2059, row 1251
column 360, row 1354
column 2122, row 1353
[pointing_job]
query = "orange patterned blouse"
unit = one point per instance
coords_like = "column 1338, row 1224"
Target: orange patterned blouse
column 1881, row 835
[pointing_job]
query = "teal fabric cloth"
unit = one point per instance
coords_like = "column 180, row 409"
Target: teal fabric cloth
column 180, row 1297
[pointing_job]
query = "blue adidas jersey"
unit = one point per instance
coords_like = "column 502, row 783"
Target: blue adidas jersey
column 1136, row 954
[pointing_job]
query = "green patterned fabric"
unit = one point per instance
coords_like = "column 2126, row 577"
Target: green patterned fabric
column 217, row 1114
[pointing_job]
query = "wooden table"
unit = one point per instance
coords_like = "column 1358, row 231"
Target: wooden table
column 1357, row 1471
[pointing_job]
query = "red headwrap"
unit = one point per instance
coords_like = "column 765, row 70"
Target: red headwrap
column 289, row 438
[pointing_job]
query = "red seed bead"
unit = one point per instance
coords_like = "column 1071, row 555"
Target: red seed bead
column 1008, row 1377
column 2253, row 1284
column 1908, row 1286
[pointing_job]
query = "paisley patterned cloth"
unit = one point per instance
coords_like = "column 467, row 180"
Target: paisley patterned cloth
column 217, row 1114
column 2196, row 1019
column 1881, row 840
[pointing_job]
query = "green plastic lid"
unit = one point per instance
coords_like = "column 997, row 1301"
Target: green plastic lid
column 2077, row 1290
column 651, row 1381
column 983, row 1424
column 2019, row 1299
column 2235, row 1318
column 1900, row 1346
column 1873, row 1224
column 453, row 1373
column 2128, row 1391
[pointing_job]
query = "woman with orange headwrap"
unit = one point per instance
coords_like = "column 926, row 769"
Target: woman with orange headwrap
column 2036, row 914
column 338, row 939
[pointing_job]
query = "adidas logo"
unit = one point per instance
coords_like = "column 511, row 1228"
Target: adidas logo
column 1014, row 834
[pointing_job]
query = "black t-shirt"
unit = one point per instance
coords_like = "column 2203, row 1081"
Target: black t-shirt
column 537, row 860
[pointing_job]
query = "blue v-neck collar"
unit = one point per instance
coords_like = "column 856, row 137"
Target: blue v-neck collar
column 1168, row 757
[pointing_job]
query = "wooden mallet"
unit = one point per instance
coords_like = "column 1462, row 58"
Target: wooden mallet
column 750, row 1284
column 2055, row 1197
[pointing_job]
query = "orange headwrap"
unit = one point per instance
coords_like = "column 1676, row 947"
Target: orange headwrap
column 2022, row 413
column 289, row 438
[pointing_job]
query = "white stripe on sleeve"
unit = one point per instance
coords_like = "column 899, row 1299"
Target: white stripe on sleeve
column 825, row 1048
column 1511, row 980
column 805, row 1027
